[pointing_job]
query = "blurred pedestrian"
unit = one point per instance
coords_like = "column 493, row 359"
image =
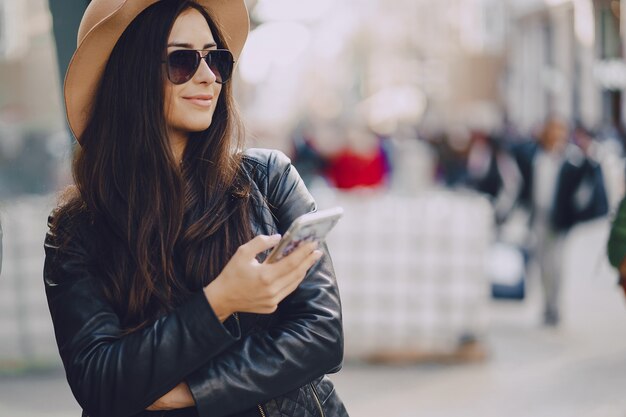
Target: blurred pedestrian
column 493, row 172
column 361, row 163
column 616, row 245
column 582, row 194
column 306, row 157
column 411, row 161
column 155, row 281
column 453, row 149
column 562, row 186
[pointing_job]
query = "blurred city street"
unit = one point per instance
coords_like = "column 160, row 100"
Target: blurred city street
column 576, row 370
column 470, row 144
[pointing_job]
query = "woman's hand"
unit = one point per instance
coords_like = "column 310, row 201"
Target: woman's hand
column 179, row 397
column 245, row 285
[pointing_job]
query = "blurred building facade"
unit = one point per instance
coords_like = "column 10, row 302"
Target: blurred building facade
column 453, row 61
column 440, row 64
column 383, row 64
column 565, row 57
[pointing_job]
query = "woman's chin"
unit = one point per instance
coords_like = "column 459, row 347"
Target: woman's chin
column 198, row 126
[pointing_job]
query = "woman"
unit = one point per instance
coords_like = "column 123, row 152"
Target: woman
column 160, row 300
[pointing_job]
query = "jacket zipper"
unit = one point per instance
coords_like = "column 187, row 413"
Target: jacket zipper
column 317, row 399
column 261, row 410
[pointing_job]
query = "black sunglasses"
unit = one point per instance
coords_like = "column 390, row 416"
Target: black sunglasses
column 182, row 64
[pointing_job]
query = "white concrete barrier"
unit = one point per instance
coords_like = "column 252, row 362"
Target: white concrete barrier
column 411, row 270
column 26, row 333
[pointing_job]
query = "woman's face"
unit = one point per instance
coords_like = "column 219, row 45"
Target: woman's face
column 189, row 107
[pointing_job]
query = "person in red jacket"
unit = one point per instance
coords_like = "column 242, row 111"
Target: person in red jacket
column 360, row 163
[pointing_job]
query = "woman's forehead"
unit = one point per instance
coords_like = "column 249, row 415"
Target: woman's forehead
column 191, row 28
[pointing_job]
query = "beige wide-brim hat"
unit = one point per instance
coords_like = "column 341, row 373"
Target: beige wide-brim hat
column 102, row 25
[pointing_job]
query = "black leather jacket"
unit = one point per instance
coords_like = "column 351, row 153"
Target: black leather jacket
column 259, row 365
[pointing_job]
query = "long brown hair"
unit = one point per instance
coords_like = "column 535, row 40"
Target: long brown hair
column 161, row 232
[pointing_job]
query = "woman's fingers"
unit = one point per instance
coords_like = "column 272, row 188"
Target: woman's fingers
column 259, row 244
column 294, row 267
column 258, row 288
column 293, row 260
column 288, row 283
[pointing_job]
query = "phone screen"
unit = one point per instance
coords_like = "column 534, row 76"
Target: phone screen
column 307, row 228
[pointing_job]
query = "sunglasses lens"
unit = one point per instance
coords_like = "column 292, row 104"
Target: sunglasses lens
column 220, row 63
column 182, row 65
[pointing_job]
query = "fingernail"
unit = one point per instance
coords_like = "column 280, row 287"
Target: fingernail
column 318, row 254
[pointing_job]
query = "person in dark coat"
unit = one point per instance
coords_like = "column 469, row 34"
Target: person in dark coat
column 562, row 185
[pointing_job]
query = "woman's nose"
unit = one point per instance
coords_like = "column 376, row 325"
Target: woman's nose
column 204, row 73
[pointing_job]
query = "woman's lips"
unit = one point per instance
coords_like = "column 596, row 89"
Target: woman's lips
column 200, row 100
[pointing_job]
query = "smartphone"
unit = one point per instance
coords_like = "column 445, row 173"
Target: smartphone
column 306, row 228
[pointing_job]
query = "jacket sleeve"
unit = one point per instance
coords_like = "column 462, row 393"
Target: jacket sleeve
column 304, row 343
column 616, row 245
column 112, row 374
